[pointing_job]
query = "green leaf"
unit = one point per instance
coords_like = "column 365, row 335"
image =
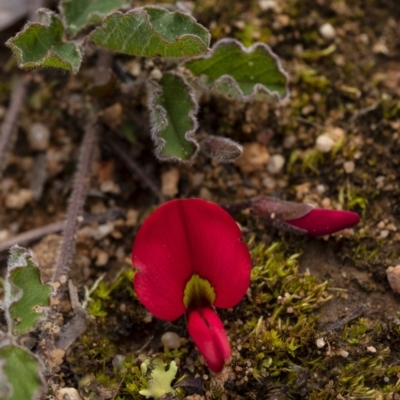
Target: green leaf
column 26, row 298
column 40, row 44
column 152, row 32
column 240, row 73
column 173, row 110
column 160, row 379
column 79, row 14
column 22, row 372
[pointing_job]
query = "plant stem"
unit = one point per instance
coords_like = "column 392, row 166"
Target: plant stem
column 135, row 168
column 77, row 199
column 37, row 233
column 8, row 127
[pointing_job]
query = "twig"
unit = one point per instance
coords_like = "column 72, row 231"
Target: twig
column 353, row 315
column 55, row 227
column 77, row 199
column 8, row 127
column 134, row 168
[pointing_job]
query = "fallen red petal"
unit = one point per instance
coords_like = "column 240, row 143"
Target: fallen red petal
column 209, row 335
column 186, row 237
column 319, row 222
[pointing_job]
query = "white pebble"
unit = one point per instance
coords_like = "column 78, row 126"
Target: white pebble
column 171, row 340
column 38, row 136
column 349, row 167
column 371, row 349
column 275, row 164
column 327, row 31
column 344, row 353
column 384, row 234
column 320, row 343
column 393, row 275
column 266, row 5
column 103, row 230
column 68, row 393
column 289, row 141
column 324, row 143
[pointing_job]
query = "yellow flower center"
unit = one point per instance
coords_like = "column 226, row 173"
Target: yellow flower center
column 198, row 293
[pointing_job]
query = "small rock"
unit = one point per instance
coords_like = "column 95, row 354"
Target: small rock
column 371, row 349
column 132, row 217
column 320, row 343
column 324, row 143
column 384, row 234
column 327, row 31
column 156, row 74
column 344, row 353
column 289, row 141
column 38, row 136
column 349, row 167
column 171, row 340
column 169, row 182
column 254, row 157
column 17, row 201
column 266, row 5
column 275, row 164
column 393, row 275
column 118, row 360
column 68, row 393
column 102, row 258
column 103, row 230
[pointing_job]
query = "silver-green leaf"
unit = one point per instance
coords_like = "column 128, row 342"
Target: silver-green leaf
column 234, row 71
column 173, row 111
column 152, row 32
column 80, row 14
column 40, row 45
column 26, row 298
column 22, row 374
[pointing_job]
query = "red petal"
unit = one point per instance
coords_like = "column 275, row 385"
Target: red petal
column 319, row 222
column 183, row 237
column 208, row 333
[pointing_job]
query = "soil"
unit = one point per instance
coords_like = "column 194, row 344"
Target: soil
column 344, row 85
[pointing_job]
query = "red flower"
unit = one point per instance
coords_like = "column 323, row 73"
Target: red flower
column 190, row 257
column 302, row 218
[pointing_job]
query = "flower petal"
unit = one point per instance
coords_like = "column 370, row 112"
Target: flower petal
column 319, row 222
column 208, row 333
column 186, row 237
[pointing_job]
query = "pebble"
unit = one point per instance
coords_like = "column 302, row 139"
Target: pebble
column 266, row 5
column 103, row 230
column 171, row 340
column 393, row 276
column 38, row 136
column 254, row 157
column 327, row 31
column 17, row 201
column 275, row 164
column 169, row 182
column 349, row 167
column 102, row 259
column 156, row 74
column 324, row 143
column 320, row 343
column 343, row 353
column 68, row 393
column 371, row 349
column 289, row 141
column 132, row 217
column 118, row 360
